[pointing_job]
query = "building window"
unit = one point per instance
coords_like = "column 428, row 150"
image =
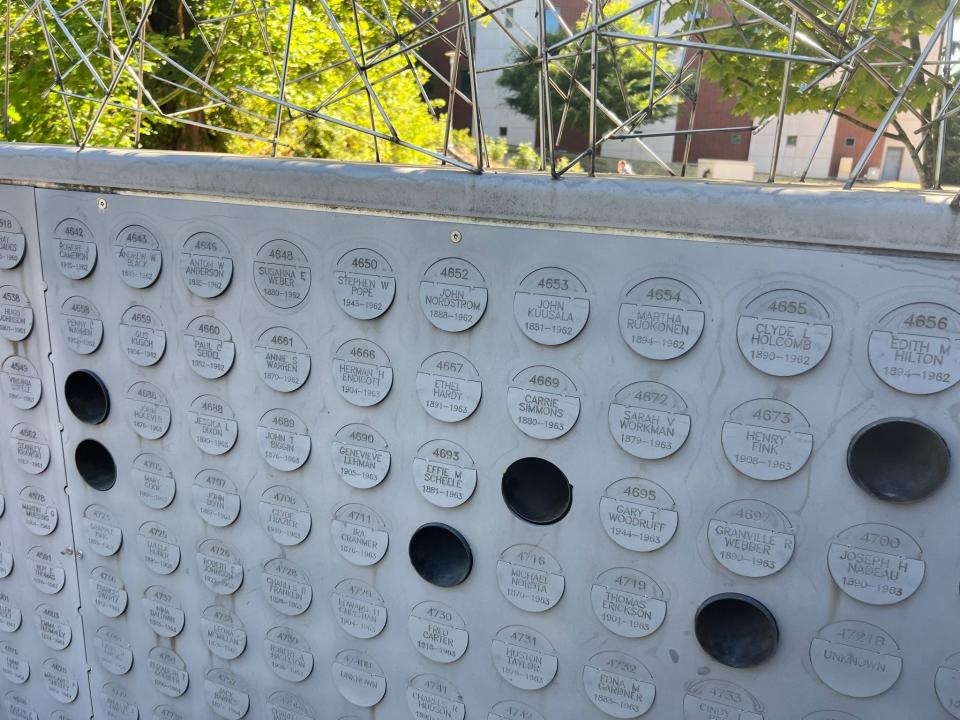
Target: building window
column 508, row 18
column 791, row 140
column 553, row 22
column 503, row 131
column 736, row 139
column 849, row 142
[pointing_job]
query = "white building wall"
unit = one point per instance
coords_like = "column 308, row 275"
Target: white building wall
column 805, row 127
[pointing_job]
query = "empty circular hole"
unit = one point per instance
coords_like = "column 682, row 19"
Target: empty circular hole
column 898, row 460
column 440, row 554
column 537, row 491
column 87, row 397
column 736, row 630
column 95, row 465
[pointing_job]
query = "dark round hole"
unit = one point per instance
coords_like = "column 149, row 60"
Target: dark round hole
column 537, row 491
column 95, row 465
column 736, row 630
column 898, row 460
column 87, row 397
column 440, row 554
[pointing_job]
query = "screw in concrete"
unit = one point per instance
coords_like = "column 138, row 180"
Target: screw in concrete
column 456, row 236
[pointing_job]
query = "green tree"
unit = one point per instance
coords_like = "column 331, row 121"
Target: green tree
column 623, row 73
column 755, row 82
column 249, row 56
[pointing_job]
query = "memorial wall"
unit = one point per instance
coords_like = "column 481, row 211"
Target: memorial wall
column 328, row 463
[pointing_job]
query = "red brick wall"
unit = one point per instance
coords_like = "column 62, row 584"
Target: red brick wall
column 846, row 129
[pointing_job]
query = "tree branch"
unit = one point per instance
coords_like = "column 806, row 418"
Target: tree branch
column 861, row 124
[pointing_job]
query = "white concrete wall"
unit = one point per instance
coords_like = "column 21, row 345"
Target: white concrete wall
column 793, row 159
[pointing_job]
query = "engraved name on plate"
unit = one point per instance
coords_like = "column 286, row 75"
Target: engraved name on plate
column 438, row 632
column 711, row 699
column 37, row 511
column 113, row 651
column 453, row 294
column 118, row 703
column 448, row 386
column 16, row 314
column 81, row 325
column 14, row 667
column 288, row 654
column 168, row 672
column 784, row 332
column 639, row 515
column 208, row 345
column 101, row 531
column 21, row 382
column 767, row 439
column 286, row 586
column 430, row 697
column 444, row 473
column 223, row 632
column 163, row 611
column 213, row 424
column 226, row 694
column 364, row 284
column 751, row 538
column 137, row 255
column 285, row 705
column 281, row 273
column 142, row 336
column 13, row 243
column 513, row 710
column 76, row 250
column 206, row 265
column 530, row 578
column 661, row 318
column 219, row 565
column 283, row 440
column 109, row 592
column 855, row 658
column 147, row 410
column 30, row 448
column 59, row 681
column 524, row 657
column 10, row 615
column 876, row 564
column 361, row 456
column 649, row 420
column 619, row 684
column 283, row 360
column 362, row 372
column 284, row 515
column 158, row 548
column 153, row 481
column 916, row 348
column 216, row 498
column 358, row 677
column 53, row 627
column 543, row 402
column 629, row 603
column 551, row 306
column 359, row 534
column 358, row 608
column 947, row 684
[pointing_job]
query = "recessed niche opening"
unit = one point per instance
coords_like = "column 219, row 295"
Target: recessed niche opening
column 736, row 630
column 95, row 465
column 898, row 460
column 87, row 397
column 440, row 555
column 537, row 491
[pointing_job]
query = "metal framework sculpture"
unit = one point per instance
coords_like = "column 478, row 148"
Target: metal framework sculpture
column 833, row 36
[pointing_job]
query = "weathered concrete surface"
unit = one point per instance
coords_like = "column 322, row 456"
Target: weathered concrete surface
column 864, row 218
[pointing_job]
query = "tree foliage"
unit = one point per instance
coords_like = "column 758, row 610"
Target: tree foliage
column 623, row 74
column 249, row 50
